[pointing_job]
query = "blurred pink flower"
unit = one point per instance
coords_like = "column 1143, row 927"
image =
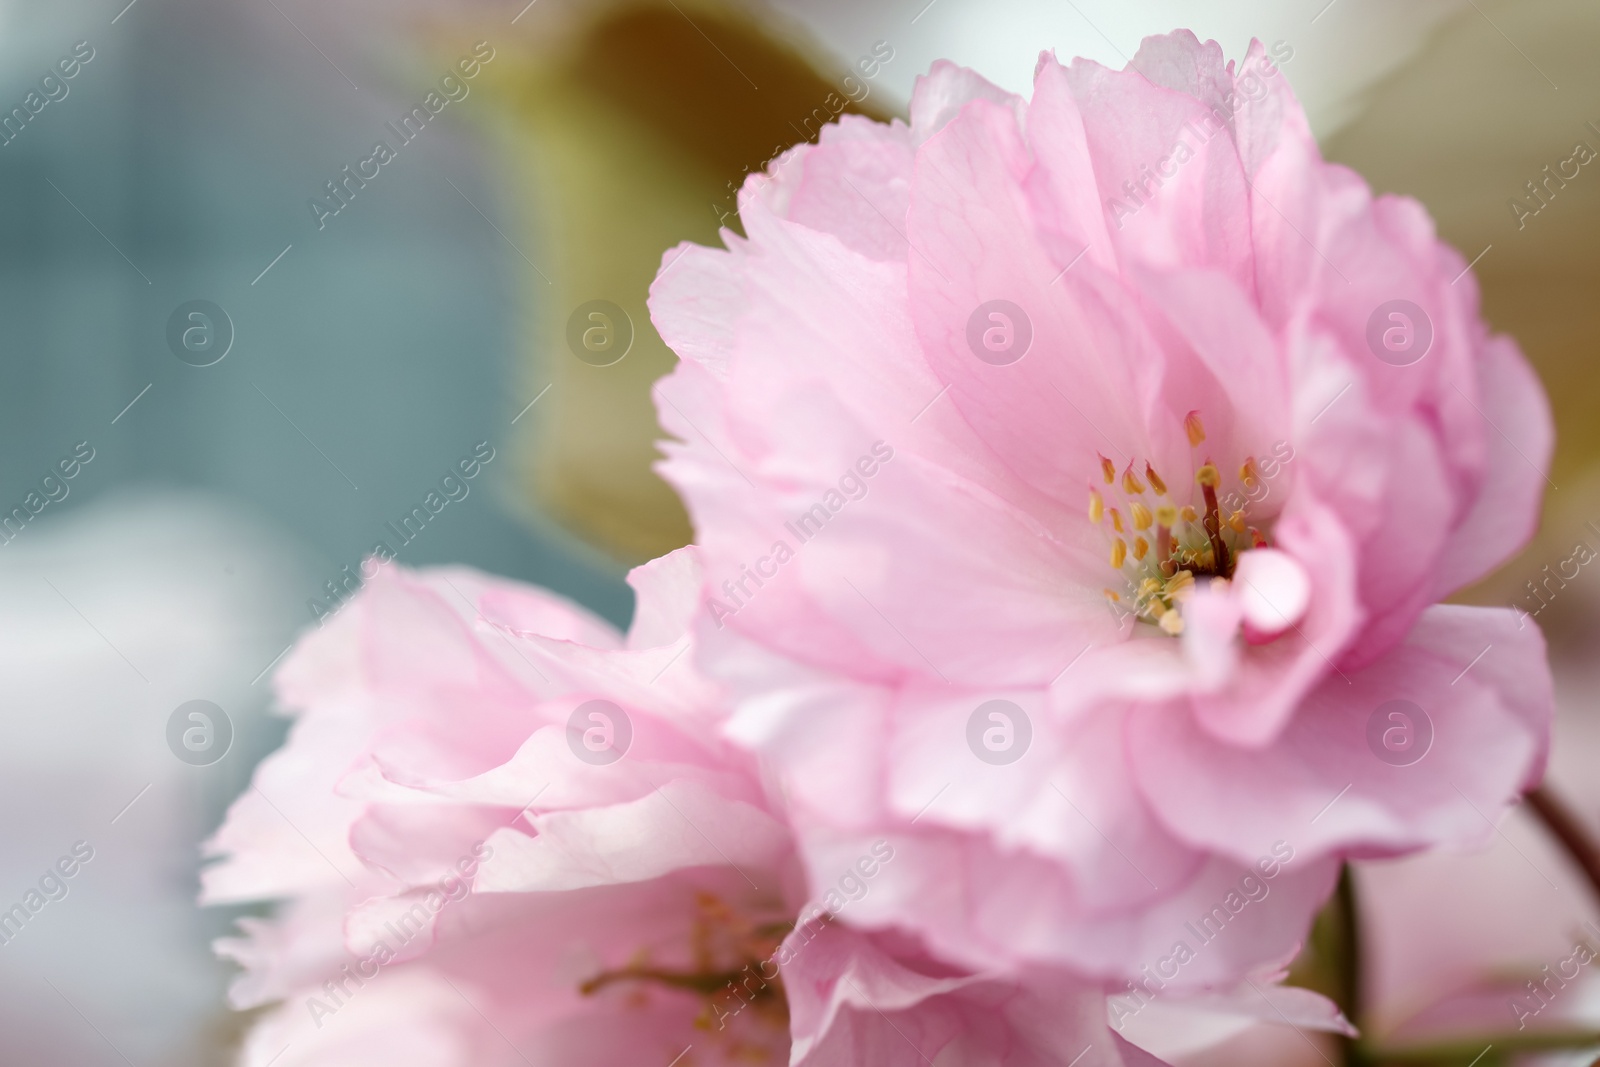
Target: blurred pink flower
column 444, row 814
column 1124, row 410
column 501, row 839
column 1496, row 945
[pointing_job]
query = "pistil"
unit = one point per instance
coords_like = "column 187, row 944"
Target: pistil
column 1208, row 480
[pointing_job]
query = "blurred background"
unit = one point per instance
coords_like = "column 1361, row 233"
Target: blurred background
column 262, row 350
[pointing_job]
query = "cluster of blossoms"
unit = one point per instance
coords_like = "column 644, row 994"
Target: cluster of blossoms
column 982, row 771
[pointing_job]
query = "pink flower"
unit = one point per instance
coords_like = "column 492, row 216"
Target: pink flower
column 1123, row 408
column 507, row 834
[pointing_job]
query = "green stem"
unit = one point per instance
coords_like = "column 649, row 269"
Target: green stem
column 1348, row 935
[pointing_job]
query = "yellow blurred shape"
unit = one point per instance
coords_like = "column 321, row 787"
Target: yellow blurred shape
column 629, row 138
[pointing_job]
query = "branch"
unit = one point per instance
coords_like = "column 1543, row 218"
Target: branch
column 1566, row 828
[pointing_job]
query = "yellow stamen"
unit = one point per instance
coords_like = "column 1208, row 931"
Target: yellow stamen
column 1149, row 587
column 1097, row 507
column 1194, row 428
column 1189, row 514
column 1116, row 520
column 1167, row 515
column 1131, row 483
column 1108, row 470
column 1119, row 553
column 1208, row 476
column 1155, row 479
column 1140, row 548
column 1111, row 595
column 1141, row 515
column 1248, row 474
column 1180, row 586
column 1172, row 622
column 1236, row 520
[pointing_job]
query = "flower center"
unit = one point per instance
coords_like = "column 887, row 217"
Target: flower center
column 732, row 967
column 1158, row 547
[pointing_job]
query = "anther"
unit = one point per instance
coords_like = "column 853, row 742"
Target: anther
column 1116, row 520
column 1107, row 469
column 1189, row 514
column 1119, row 553
column 1140, row 514
column 1194, row 428
column 1130, row 481
column 1155, row 480
column 1140, row 548
column 1097, row 507
column 1236, row 521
